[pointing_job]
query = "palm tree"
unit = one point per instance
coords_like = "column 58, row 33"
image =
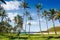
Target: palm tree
column 51, row 17
column 2, row 28
column 38, row 7
column 25, row 6
column 3, row 1
column 45, row 13
column 57, row 15
column 8, row 27
column 27, row 15
column 19, row 22
column 7, row 24
column 2, row 13
column 29, row 28
column 29, row 18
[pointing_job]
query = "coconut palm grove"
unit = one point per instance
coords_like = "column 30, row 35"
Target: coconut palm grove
column 29, row 20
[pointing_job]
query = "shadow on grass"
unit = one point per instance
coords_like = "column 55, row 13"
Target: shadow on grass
column 14, row 37
column 49, row 37
column 57, row 37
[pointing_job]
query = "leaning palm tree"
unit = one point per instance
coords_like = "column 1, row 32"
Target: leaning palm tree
column 38, row 7
column 29, row 18
column 3, row 16
column 51, row 17
column 3, row 1
column 2, row 13
column 45, row 13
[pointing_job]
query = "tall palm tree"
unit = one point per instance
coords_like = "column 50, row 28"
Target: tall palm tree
column 38, row 7
column 27, row 15
column 29, row 28
column 45, row 13
column 29, row 18
column 51, row 17
column 25, row 6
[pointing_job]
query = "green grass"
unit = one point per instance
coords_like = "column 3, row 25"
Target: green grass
column 13, row 36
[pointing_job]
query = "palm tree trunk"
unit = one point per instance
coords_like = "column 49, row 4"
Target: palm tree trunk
column 24, row 21
column 29, row 30
column 2, row 19
column 38, row 15
column 47, row 25
column 25, row 25
column 54, row 26
column 25, row 28
column 40, row 26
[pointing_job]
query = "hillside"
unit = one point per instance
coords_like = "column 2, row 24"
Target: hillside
column 52, row 29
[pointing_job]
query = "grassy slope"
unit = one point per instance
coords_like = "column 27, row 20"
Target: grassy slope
column 52, row 29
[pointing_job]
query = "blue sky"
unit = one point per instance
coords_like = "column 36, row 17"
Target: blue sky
column 12, row 9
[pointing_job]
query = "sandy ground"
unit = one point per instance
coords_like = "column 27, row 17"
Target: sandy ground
column 49, row 33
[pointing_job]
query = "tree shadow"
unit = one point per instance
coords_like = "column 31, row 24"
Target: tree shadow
column 57, row 37
column 49, row 37
column 14, row 37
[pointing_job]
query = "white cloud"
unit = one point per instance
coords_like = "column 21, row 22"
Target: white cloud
column 12, row 15
column 12, row 5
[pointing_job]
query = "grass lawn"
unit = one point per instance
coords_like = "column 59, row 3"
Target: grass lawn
column 11, row 36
